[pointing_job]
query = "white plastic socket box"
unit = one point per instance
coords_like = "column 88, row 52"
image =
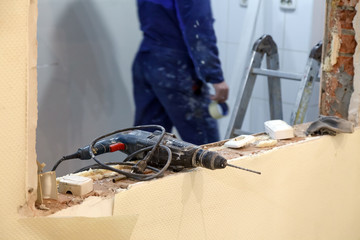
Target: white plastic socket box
column 75, row 185
column 278, row 129
column 240, row 141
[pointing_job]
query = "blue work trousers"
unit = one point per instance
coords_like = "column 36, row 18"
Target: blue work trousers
column 168, row 93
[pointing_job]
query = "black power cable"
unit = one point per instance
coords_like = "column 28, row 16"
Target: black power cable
column 142, row 163
column 97, row 166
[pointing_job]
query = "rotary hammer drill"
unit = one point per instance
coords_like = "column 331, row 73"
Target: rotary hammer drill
column 138, row 144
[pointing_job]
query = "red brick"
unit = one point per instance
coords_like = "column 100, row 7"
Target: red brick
column 346, row 3
column 337, row 114
column 345, row 17
column 346, row 63
column 348, row 44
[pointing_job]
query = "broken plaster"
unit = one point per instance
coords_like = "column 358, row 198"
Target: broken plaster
column 332, row 57
column 354, row 106
column 335, row 48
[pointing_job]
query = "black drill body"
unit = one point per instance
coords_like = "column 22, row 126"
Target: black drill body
column 184, row 154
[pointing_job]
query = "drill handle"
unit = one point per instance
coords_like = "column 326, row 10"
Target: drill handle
column 104, row 146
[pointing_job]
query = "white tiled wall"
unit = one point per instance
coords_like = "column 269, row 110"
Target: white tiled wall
column 295, row 32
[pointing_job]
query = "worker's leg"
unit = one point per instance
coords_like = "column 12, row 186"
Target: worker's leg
column 148, row 109
column 190, row 116
column 174, row 82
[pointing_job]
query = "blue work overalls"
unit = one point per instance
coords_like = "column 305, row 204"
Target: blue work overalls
column 177, row 57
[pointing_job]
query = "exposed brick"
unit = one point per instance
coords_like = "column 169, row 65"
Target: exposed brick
column 348, row 64
column 334, row 24
column 334, row 95
column 344, row 64
column 345, row 17
column 348, row 44
column 347, row 3
column 338, row 115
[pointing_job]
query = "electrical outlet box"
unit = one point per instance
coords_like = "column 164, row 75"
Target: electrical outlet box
column 279, row 129
column 288, row 4
column 243, row 3
column 75, row 185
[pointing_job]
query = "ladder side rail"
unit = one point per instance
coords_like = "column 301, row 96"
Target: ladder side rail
column 274, row 87
column 243, row 98
column 311, row 74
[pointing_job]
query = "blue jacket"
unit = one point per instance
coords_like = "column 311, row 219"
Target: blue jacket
column 184, row 25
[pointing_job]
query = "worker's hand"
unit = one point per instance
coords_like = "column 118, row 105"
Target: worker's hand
column 221, row 92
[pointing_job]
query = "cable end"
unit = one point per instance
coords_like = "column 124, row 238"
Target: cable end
column 72, row 156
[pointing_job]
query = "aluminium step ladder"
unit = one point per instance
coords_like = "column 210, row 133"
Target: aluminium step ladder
column 266, row 45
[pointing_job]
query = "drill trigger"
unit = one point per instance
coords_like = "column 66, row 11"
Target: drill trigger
column 117, row 147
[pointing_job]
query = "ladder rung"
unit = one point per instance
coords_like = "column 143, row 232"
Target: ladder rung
column 276, row 73
column 241, row 132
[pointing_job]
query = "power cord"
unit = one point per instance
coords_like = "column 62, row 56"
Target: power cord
column 137, row 167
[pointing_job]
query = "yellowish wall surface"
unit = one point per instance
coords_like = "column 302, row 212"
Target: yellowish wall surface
column 306, row 191
column 17, row 107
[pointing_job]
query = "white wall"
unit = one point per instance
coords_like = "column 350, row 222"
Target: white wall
column 86, row 48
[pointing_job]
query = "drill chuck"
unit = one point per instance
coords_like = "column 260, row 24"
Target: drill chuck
column 208, row 159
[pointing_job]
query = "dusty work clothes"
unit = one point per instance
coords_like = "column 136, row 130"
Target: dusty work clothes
column 176, row 59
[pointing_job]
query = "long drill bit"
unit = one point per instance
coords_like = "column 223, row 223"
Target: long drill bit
column 245, row 169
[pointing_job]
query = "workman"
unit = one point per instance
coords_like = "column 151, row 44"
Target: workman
column 178, row 56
